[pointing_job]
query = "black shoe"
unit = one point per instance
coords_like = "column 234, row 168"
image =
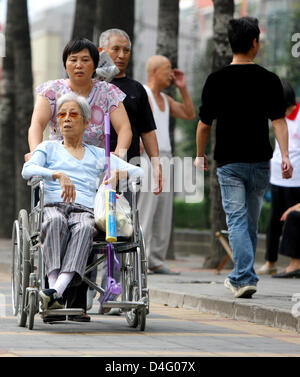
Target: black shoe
column 79, row 318
column 50, row 299
column 287, row 275
column 54, row 318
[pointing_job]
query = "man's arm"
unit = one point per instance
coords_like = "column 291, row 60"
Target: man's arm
column 151, row 147
column 150, row 143
column 120, row 122
column 281, row 134
column 202, row 136
column 184, row 110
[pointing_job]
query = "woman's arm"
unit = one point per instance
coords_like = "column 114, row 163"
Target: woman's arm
column 119, row 120
column 125, row 168
column 39, row 120
column 296, row 207
column 36, row 167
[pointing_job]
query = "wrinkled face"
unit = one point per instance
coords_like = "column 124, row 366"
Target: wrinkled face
column 118, row 49
column 164, row 73
column 80, row 65
column 70, row 119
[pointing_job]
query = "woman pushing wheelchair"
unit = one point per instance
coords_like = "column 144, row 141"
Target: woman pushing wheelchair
column 71, row 170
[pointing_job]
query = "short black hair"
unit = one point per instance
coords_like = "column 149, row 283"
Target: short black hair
column 241, row 32
column 289, row 94
column 79, row 44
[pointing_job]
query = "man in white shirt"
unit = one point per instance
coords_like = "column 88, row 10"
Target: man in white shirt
column 156, row 210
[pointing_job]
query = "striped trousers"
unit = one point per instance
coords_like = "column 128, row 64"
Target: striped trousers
column 67, row 237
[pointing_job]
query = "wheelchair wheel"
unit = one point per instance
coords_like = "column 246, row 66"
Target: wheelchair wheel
column 130, row 289
column 15, row 267
column 24, row 270
column 144, row 268
column 141, row 314
column 32, row 309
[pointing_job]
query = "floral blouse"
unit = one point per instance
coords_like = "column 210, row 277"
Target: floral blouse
column 103, row 98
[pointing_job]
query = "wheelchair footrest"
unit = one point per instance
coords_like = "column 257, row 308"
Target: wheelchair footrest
column 123, row 304
column 67, row 311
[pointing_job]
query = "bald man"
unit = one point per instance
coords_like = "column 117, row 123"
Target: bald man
column 156, row 210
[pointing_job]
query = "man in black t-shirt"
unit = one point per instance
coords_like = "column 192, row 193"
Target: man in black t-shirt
column 116, row 43
column 242, row 97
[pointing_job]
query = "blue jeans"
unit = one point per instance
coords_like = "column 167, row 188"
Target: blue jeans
column 242, row 189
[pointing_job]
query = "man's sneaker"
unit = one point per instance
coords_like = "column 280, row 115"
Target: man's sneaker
column 50, row 299
column 228, row 285
column 245, row 292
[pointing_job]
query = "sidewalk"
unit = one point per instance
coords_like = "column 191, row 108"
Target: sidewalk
column 202, row 289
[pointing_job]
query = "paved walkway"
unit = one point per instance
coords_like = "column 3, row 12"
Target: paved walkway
column 276, row 303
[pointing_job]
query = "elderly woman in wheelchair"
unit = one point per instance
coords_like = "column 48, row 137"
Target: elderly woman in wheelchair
column 70, row 169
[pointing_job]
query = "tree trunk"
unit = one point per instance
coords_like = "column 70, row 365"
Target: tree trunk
column 16, row 107
column 223, row 12
column 118, row 15
column 84, row 19
column 7, row 112
column 167, row 45
column 23, row 98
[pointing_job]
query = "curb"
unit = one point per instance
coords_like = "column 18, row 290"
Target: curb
column 233, row 309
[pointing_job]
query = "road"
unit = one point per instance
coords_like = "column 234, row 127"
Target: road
column 170, row 332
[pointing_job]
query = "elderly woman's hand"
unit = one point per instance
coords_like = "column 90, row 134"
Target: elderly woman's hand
column 115, row 176
column 113, row 180
column 68, row 188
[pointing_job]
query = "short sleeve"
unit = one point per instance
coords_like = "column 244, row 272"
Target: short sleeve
column 146, row 119
column 52, row 90
column 276, row 103
column 114, row 96
column 207, row 109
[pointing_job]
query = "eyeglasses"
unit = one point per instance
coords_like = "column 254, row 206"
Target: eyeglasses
column 72, row 114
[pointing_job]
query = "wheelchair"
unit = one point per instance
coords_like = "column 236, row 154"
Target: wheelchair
column 28, row 272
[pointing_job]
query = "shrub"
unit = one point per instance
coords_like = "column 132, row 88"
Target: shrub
column 196, row 216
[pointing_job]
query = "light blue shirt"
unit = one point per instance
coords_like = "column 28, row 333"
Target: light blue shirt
column 51, row 156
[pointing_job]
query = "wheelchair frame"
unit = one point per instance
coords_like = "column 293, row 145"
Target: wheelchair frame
column 28, row 273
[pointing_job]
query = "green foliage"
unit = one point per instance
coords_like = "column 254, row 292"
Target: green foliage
column 196, row 216
column 191, row 216
column 264, row 217
column 293, row 63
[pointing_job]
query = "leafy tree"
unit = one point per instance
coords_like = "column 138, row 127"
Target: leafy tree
column 7, row 112
column 16, row 107
column 23, row 83
column 116, row 14
column 223, row 12
column 84, row 20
